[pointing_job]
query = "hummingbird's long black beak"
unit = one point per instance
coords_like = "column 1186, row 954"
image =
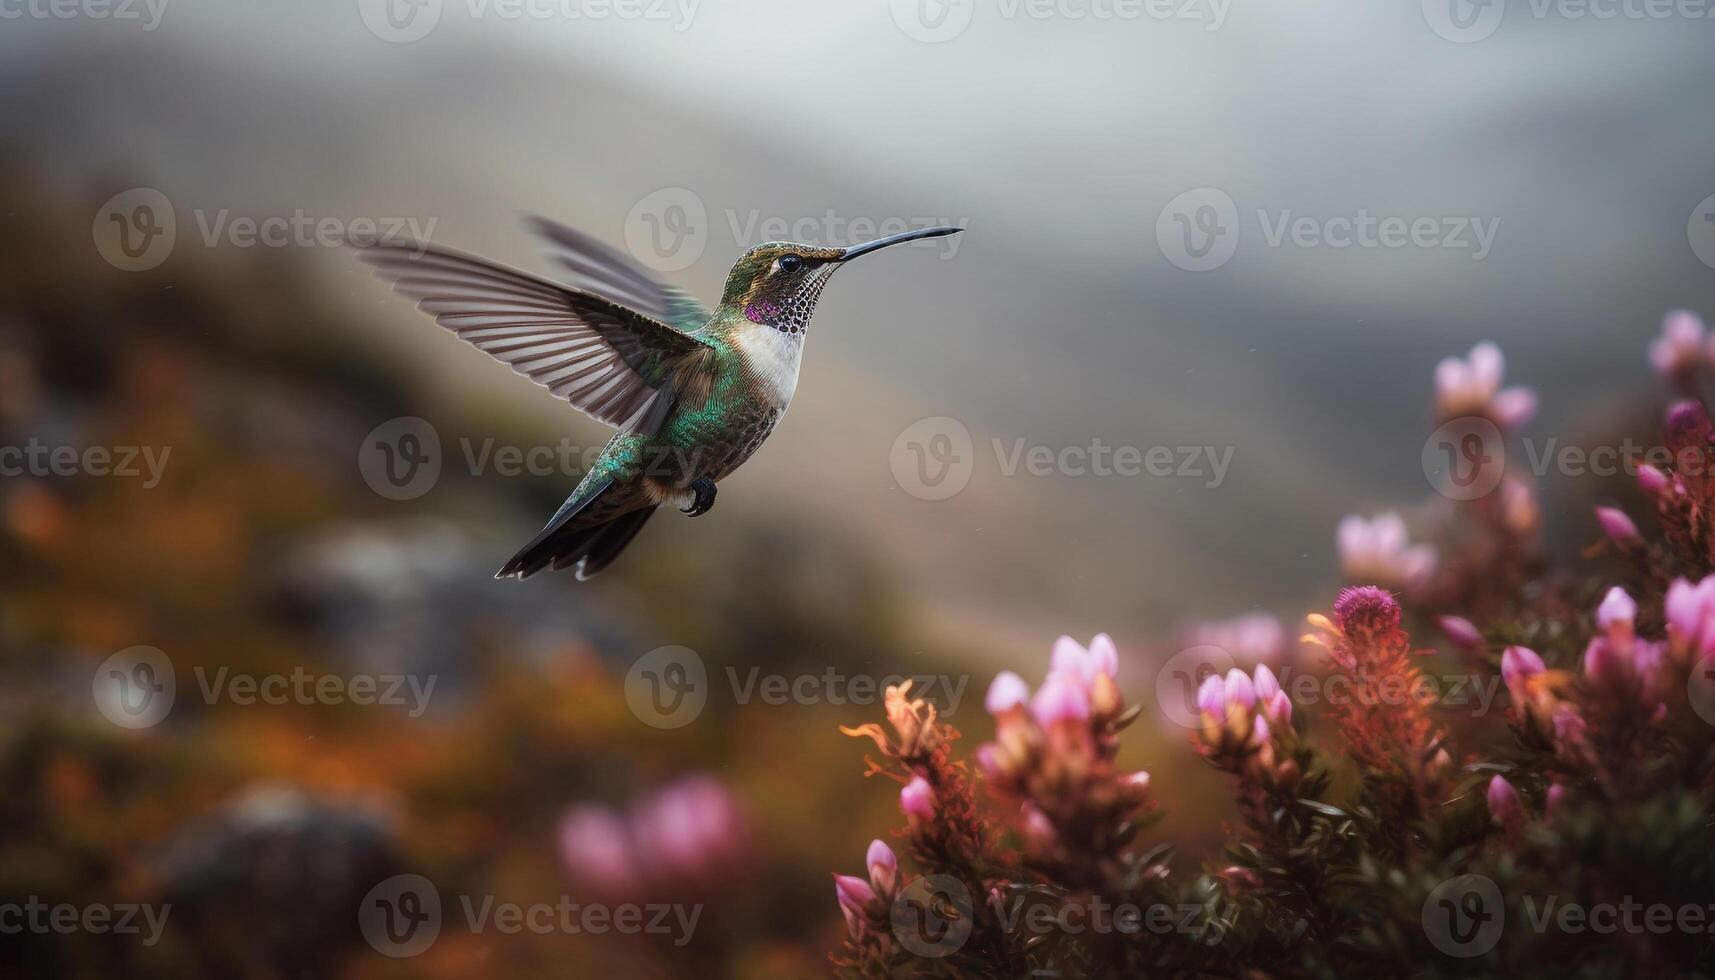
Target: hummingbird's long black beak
column 904, row 236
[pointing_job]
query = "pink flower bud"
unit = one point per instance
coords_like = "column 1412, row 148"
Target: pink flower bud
column 1139, row 782
column 1278, row 708
column 1556, row 798
column 1006, row 692
column 1212, row 696
column 1651, row 481
column 1069, row 657
column 1365, row 609
column 596, row 848
column 1618, row 527
column 1104, row 656
column 1519, row 664
column 1616, row 613
column 1461, row 631
column 1504, row 802
column 1260, row 732
column 1061, row 698
column 1606, row 666
column 1266, row 684
column 1240, row 690
column 854, row 895
column 1038, row 829
column 917, row 799
column 883, row 866
column 1513, row 407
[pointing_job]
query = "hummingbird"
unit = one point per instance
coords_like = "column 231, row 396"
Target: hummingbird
column 693, row 394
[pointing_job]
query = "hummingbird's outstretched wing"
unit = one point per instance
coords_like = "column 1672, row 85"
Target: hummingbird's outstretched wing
column 601, row 269
column 613, row 363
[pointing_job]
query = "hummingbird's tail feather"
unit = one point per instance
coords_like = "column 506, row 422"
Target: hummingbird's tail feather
column 610, row 539
column 589, row 546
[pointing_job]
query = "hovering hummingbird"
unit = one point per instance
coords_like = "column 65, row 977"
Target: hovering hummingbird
column 693, row 394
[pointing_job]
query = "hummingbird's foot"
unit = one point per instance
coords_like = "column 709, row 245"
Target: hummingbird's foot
column 704, row 501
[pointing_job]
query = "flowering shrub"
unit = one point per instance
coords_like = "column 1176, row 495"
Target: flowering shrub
column 1381, row 833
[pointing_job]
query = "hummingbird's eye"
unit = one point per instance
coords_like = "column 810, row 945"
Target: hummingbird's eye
column 791, row 263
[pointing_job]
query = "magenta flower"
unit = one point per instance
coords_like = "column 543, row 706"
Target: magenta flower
column 854, row 895
column 595, row 846
column 1518, row 666
column 1504, row 802
column 1240, row 690
column 1556, row 798
column 1473, row 387
column 1676, row 353
column 883, row 866
column 1063, row 697
column 1651, row 481
column 1618, row 527
column 1212, row 696
column 1691, row 617
column 1006, row 692
column 917, row 799
column 1616, row 613
column 1072, row 659
column 1379, row 551
column 1461, row 631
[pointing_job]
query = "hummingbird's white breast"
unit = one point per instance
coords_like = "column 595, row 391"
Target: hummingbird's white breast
column 771, row 357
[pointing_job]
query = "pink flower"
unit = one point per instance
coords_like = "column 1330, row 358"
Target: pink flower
column 1006, row 692
column 883, row 866
column 1379, row 551
column 1556, row 798
column 1691, row 617
column 1038, row 829
column 1676, row 352
column 595, row 845
column 1138, row 782
column 1651, row 481
column 1461, row 631
column 1084, row 664
column 1364, row 610
column 1212, row 696
column 1062, row 697
column 1473, row 387
column 1616, row 613
column 1266, row 684
column 1519, row 664
column 1504, row 802
column 1240, row 690
column 1278, row 708
column 854, row 895
column 1618, row 527
column 917, row 799
column 1604, row 665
